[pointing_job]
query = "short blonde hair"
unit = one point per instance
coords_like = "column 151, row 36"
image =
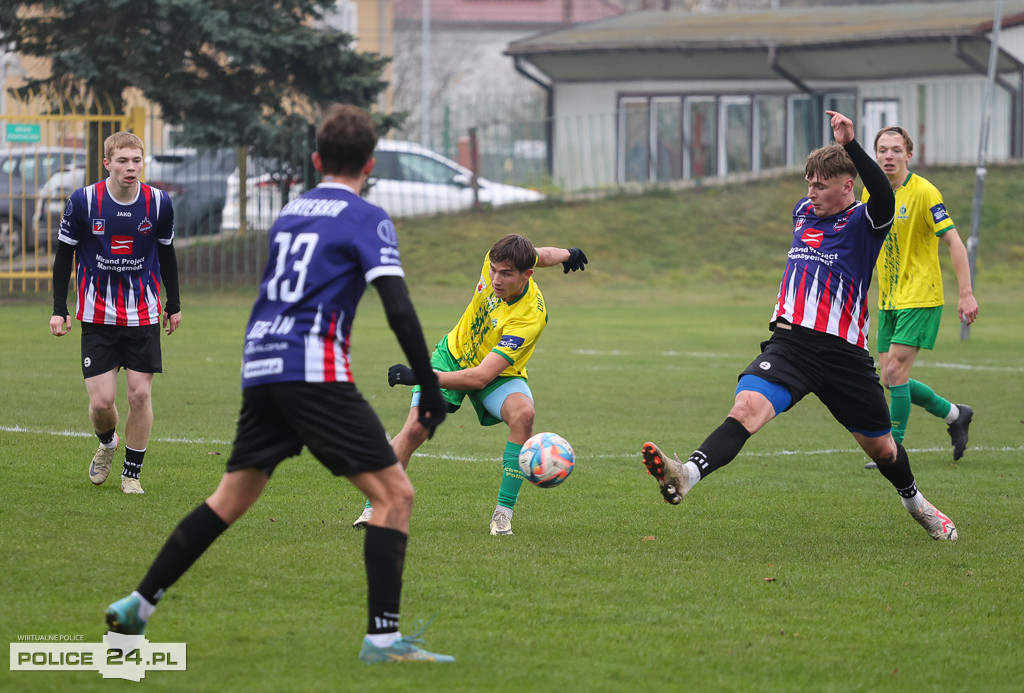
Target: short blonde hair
column 122, row 140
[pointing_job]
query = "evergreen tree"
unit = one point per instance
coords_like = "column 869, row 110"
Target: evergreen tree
column 234, row 72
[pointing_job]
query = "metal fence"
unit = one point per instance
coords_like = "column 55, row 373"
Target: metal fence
column 226, row 200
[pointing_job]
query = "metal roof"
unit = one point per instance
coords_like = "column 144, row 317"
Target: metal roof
column 888, row 40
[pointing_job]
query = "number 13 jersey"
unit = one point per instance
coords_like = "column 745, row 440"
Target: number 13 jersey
column 325, row 247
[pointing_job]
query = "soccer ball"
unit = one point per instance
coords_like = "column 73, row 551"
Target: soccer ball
column 546, row 459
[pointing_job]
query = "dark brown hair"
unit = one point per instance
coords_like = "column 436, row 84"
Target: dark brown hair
column 345, row 140
column 516, row 250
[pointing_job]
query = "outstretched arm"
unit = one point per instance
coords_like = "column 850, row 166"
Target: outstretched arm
column 571, row 259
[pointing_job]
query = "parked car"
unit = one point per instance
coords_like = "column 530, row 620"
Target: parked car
column 195, row 181
column 197, row 184
column 23, row 170
column 408, row 180
column 269, row 185
column 411, row 180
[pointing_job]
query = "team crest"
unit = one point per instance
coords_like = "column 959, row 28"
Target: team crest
column 841, row 222
column 481, row 285
column 145, row 227
column 99, row 226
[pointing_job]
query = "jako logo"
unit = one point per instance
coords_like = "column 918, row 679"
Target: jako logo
column 121, row 245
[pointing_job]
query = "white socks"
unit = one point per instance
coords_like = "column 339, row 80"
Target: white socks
column 383, row 639
column 145, row 608
column 954, row 413
column 915, row 503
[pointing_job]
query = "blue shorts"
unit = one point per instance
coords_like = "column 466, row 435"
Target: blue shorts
column 486, row 402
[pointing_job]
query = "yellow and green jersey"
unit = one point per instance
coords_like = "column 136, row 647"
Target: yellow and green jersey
column 908, row 265
column 490, row 324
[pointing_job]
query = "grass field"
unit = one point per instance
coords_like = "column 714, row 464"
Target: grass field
column 792, row 569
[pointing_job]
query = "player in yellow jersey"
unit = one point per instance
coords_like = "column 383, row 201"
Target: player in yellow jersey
column 484, row 358
column 910, row 288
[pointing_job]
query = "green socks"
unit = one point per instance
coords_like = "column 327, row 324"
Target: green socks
column 511, row 477
column 899, row 409
column 924, row 396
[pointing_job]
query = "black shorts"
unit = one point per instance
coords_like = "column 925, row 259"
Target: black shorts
column 842, row 375
column 109, row 347
column 333, row 420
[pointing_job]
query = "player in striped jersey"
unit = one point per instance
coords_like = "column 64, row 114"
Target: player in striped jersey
column 120, row 232
column 819, row 333
column 297, row 388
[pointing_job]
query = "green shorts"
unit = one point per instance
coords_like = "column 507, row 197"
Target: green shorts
column 442, row 360
column 915, row 327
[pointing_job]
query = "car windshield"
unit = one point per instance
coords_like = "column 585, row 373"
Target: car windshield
column 33, row 166
column 412, row 167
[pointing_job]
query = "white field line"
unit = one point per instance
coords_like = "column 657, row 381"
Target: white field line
column 470, row 458
column 715, row 355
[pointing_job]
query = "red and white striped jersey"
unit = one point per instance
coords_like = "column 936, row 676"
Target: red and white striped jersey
column 828, row 272
column 117, row 271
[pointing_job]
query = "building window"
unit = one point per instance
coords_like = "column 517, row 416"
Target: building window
column 800, row 129
column 666, row 138
column 701, row 138
column 671, row 137
column 634, row 140
column 735, row 134
column 769, row 132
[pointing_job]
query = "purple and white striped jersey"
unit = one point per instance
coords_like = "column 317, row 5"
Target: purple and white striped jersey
column 325, row 247
column 828, row 272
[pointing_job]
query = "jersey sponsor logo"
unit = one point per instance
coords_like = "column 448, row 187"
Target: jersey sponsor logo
column 812, row 237
column 263, row 367
column 98, row 225
column 510, row 342
column 121, row 245
column 390, row 256
column 145, row 227
column 939, row 213
column 386, row 232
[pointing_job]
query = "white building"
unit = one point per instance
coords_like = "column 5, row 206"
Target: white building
column 665, row 96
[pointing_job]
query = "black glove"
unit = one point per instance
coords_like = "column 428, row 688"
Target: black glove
column 400, row 374
column 577, row 261
column 433, row 409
